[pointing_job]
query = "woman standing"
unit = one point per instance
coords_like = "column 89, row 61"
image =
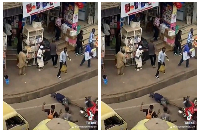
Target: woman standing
column 177, row 46
column 40, row 60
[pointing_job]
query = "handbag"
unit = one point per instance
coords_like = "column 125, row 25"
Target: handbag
column 162, row 68
column 64, row 68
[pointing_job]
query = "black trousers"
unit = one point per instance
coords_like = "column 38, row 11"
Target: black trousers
column 54, row 59
column 156, row 33
column 153, row 59
column 181, row 61
column 159, row 64
column 9, row 41
column 107, row 40
column 177, row 48
column 84, row 61
column 59, row 72
column 58, row 32
column 79, row 49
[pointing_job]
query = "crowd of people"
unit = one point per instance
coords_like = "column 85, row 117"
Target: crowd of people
column 185, row 52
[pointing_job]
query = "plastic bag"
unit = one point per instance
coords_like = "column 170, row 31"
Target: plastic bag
column 64, row 68
column 162, row 68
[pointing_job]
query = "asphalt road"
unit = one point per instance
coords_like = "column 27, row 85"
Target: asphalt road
column 32, row 110
column 130, row 110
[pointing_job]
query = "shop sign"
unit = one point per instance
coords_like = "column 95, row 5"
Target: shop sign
column 32, row 8
column 130, row 8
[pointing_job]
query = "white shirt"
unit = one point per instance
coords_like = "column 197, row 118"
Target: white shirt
column 106, row 29
column 8, row 29
column 63, row 56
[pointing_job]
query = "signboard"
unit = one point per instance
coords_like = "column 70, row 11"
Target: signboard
column 130, row 8
column 32, row 8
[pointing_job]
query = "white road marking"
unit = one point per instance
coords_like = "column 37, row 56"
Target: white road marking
column 46, row 105
column 137, row 106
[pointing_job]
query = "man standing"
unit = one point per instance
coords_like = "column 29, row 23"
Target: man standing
column 161, row 60
column 150, row 113
column 79, row 43
column 120, row 62
column 165, row 116
column 152, row 54
column 92, row 39
column 22, row 63
column 186, row 55
column 156, row 27
column 87, row 50
column 63, row 60
column 8, row 30
column 177, row 46
column 190, row 38
column 67, row 116
column 107, row 32
column 58, row 24
column 51, row 111
column 54, row 56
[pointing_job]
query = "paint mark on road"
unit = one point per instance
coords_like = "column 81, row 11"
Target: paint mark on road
column 33, row 107
column 137, row 106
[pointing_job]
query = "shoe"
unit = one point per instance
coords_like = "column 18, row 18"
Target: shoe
column 55, row 66
column 138, row 70
column 175, row 53
column 157, row 77
column 164, row 72
column 179, row 64
column 154, row 66
column 65, row 72
column 59, row 77
column 39, row 70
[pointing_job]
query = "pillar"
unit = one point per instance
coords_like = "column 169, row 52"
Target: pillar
column 96, row 13
column 194, row 18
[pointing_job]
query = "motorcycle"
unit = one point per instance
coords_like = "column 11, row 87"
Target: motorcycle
column 190, row 108
column 91, row 107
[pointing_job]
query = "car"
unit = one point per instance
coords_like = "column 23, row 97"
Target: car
column 56, row 124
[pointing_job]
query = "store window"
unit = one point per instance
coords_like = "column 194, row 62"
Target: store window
column 112, row 121
column 14, row 121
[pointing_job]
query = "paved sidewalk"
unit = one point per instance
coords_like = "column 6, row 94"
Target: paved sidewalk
column 133, row 80
column 35, row 80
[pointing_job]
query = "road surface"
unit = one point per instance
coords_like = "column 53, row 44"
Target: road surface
column 130, row 110
column 32, row 110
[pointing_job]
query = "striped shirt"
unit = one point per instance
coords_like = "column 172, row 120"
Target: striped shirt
column 189, row 39
column 157, row 21
column 91, row 38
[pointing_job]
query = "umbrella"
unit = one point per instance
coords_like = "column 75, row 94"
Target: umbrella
column 155, row 124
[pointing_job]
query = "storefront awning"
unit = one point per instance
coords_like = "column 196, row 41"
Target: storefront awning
column 108, row 5
column 9, row 5
column 12, row 9
column 110, row 9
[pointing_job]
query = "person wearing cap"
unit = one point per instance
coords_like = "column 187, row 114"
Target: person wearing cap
column 91, row 38
column 138, row 58
column 186, row 55
column 87, row 49
column 40, row 55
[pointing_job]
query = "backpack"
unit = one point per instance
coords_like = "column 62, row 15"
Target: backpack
column 149, row 115
column 50, row 116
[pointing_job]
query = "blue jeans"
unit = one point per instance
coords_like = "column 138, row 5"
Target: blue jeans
column 84, row 61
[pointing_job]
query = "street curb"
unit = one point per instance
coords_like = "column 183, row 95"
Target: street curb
column 50, row 89
column 148, row 89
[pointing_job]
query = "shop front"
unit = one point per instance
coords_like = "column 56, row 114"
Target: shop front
column 137, row 22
